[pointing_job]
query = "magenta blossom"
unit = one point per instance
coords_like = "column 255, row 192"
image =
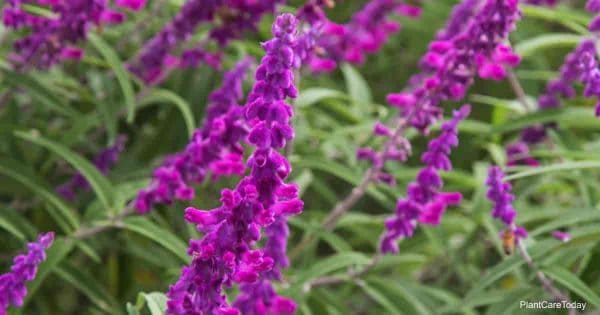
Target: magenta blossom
column 365, row 34
column 500, row 194
column 561, row 236
column 225, row 254
column 23, row 270
column 215, row 148
column 424, row 202
column 231, row 18
column 51, row 39
column 454, row 60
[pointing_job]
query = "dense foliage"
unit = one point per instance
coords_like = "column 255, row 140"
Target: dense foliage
column 303, row 157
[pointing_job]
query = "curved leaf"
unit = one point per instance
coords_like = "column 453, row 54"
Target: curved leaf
column 65, row 216
column 99, row 183
column 168, row 96
column 117, row 66
column 168, row 240
column 570, row 281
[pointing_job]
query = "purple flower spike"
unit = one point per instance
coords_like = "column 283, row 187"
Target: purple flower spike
column 542, row 2
column 104, row 161
column 226, row 254
column 50, row 39
column 368, row 30
column 472, row 44
column 215, row 148
column 232, row 18
column 23, row 270
column 500, row 194
column 518, row 154
column 424, row 203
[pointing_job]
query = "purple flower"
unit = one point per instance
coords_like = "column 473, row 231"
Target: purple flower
column 561, row 236
column 365, row 34
column 135, row 5
column 23, row 270
column 214, row 148
column 50, row 39
column 424, row 202
column 225, row 254
column 232, row 18
column 500, row 194
column 453, row 61
column 542, row 2
column 104, row 161
column 518, row 154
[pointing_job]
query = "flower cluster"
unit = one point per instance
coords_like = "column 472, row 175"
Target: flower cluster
column 499, row 193
column 214, row 148
column 365, row 34
column 518, row 154
column 24, row 269
column 52, row 38
column 451, row 64
column 104, row 161
column 542, row 2
column 580, row 65
column 562, row 87
column 424, row 202
column 231, row 19
column 225, row 254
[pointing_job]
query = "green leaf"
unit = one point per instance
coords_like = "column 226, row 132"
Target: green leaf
column 89, row 286
column 11, row 228
column 330, row 264
column 161, row 95
column 157, row 303
column 131, row 310
column 116, row 65
column 66, row 216
column 533, row 46
column 356, row 85
column 314, row 95
column 400, row 295
column 168, row 240
column 334, row 240
column 343, row 172
column 54, row 255
column 573, row 20
column 39, row 91
column 379, row 297
column 509, row 264
column 99, row 183
column 560, row 167
column 570, row 281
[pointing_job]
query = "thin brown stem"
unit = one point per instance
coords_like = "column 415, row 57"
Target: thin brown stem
column 518, row 90
column 350, row 275
column 542, row 278
column 357, row 192
column 115, row 221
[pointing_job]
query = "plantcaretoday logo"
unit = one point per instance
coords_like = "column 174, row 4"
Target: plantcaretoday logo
column 552, row 305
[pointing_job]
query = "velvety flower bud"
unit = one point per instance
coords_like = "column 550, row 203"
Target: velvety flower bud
column 561, row 236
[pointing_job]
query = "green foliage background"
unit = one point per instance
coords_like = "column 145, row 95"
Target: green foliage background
column 54, row 122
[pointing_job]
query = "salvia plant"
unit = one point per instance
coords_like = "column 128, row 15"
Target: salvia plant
column 245, row 157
